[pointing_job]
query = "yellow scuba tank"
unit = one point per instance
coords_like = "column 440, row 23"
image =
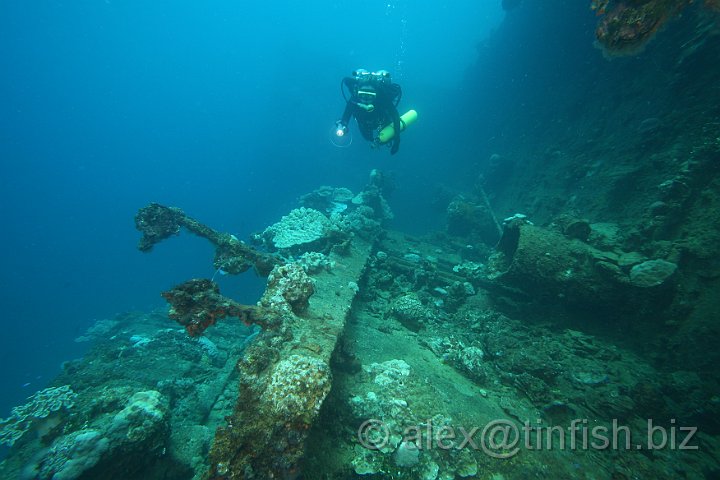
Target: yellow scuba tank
column 387, row 133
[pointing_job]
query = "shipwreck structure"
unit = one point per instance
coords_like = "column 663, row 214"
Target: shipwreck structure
column 285, row 374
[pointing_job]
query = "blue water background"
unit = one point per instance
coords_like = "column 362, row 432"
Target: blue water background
column 221, row 108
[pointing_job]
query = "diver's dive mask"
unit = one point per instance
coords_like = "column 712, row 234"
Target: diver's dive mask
column 366, row 95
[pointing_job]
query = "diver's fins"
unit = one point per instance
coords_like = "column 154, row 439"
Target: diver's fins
column 387, row 133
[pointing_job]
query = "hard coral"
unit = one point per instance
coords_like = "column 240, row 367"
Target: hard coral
column 40, row 406
column 288, row 287
column 297, row 388
column 105, row 445
column 301, row 227
column 410, row 311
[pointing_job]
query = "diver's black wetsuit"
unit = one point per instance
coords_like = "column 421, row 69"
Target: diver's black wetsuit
column 387, row 96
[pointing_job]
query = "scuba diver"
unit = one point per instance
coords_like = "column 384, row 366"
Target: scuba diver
column 373, row 101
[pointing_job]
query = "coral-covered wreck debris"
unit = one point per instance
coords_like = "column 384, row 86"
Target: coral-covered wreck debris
column 627, row 26
column 158, row 222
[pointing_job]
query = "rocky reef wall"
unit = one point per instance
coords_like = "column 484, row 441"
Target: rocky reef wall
column 627, row 140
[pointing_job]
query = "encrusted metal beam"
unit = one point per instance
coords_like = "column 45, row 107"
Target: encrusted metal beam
column 285, row 377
